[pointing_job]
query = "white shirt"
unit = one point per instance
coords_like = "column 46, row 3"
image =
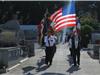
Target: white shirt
column 70, row 43
column 54, row 37
column 51, row 40
column 76, row 41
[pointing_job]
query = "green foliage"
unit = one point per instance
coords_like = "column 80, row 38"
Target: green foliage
column 86, row 34
column 86, row 29
column 89, row 19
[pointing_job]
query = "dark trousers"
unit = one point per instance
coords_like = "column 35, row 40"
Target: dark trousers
column 76, row 56
column 50, row 51
column 70, row 49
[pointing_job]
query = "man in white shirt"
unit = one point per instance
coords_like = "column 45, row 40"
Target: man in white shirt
column 50, row 48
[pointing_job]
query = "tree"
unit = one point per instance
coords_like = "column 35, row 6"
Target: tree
column 88, row 24
column 86, row 34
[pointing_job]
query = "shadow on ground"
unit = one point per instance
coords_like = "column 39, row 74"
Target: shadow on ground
column 27, row 69
column 41, row 65
column 41, row 61
column 29, row 74
column 52, row 74
column 70, row 60
column 93, row 55
column 73, row 69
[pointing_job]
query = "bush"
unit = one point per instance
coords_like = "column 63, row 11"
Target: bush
column 87, row 29
column 86, row 34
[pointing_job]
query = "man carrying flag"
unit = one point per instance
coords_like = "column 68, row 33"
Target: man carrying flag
column 43, row 27
column 40, row 30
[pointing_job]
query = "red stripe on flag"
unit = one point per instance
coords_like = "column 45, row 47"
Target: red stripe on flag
column 56, row 25
column 58, row 16
column 52, row 17
column 69, row 25
column 67, row 17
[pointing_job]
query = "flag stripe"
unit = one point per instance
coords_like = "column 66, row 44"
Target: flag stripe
column 65, row 24
column 66, row 17
column 71, row 21
column 67, row 20
column 61, row 27
column 52, row 17
column 59, row 15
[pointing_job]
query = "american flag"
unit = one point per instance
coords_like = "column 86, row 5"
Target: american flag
column 64, row 17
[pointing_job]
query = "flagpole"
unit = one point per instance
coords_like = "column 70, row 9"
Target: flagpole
column 64, row 35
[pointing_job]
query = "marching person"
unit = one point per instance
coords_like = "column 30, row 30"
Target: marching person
column 50, row 48
column 75, row 48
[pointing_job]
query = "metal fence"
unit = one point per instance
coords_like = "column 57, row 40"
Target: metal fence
column 94, row 51
column 10, row 56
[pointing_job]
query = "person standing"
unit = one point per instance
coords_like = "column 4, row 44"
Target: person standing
column 50, row 48
column 75, row 46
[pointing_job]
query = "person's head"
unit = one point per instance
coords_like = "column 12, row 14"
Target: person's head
column 53, row 33
column 49, row 33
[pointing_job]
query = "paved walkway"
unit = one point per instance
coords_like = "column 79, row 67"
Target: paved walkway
column 62, row 64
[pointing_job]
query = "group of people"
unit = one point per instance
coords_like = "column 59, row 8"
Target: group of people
column 74, row 47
